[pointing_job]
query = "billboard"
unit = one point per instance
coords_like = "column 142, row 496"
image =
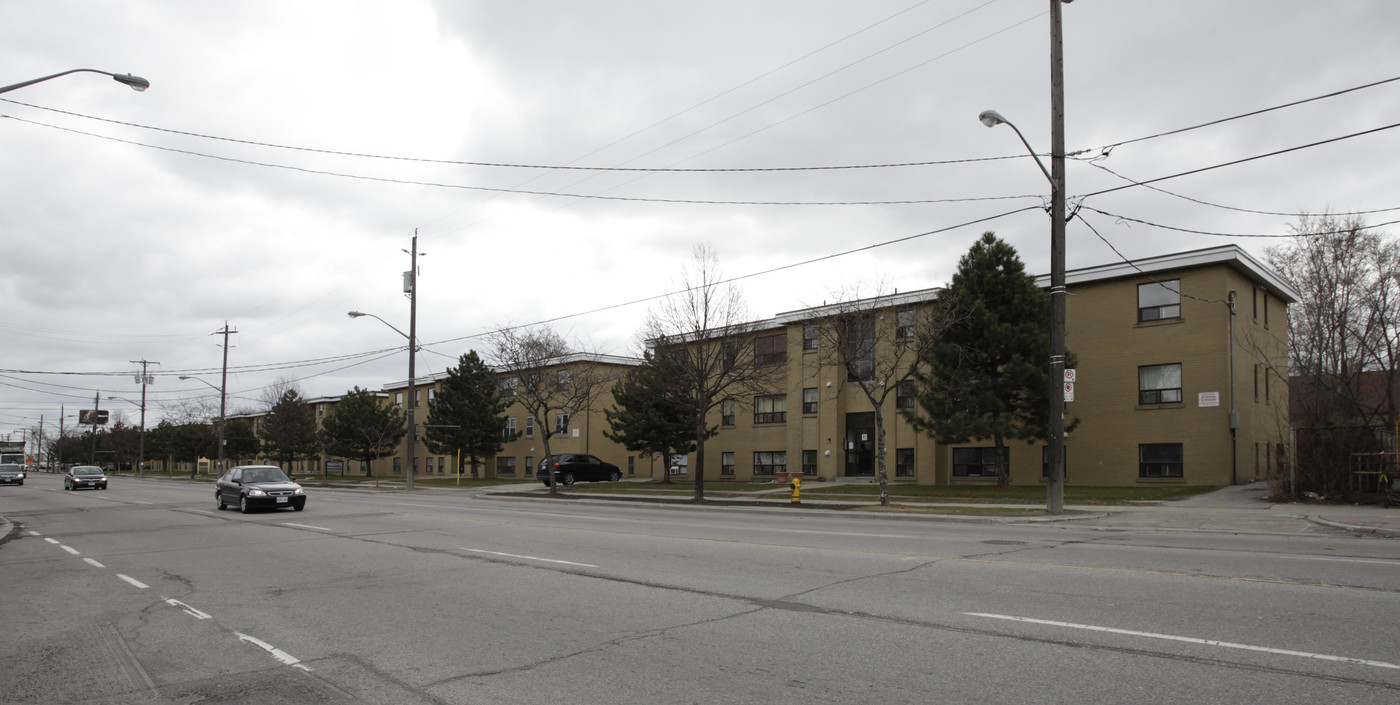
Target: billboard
column 93, row 417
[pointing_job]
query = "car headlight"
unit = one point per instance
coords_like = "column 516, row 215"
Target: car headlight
column 21, row 476
column 298, row 491
column 256, row 493
column 102, row 479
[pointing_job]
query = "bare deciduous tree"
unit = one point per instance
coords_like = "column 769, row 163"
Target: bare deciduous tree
column 703, row 336
column 1344, row 341
column 548, row 378
column 874, row 340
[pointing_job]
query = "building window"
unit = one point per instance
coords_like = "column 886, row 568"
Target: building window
column 417, row 398
column 1159, row 384
column 978, row 462
column 809, row 400
column 769, row 462
column 529, row 427
column 729, row 355
column 1266, row 307
column 1045, row 460
column 1266, row 386
column 442, row 465
column 770, row 349
column 904, row 462
column 398, row 400
column 679, row 465
column 770, row 409
column 508, row 429
column 398, row 465
column 509, row 385
column 809, row 337
column 529, row 462
column 1256, row 383
column 726, row 464
column 563, row 380
column 904, row 395
column 858, row 349
column 1160, row 460
column 809, row 462
column 561, row 425
column 726, row 412
column 904, row 325
column 505, row 465
column 1159, row 300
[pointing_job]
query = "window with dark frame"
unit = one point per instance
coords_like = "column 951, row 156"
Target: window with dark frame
column 770, row 409
column 904, row 462
column 508, row 429
column 1159, row 300
column 561, row 425
column 529, row 427
column 904, row 395
column 769, row 462
column 978, row 461
column 509, row 385
column 563, row 380
column 726, row 464
column 809, row 462
column 505, row 465
column 1160, row 460
column 809, row 400
column 904, row 325
column 810, row 335
column 1159, row 384
column 770, row 349
column 726, row 412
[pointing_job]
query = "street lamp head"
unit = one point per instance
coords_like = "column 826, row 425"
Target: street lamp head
column 137, row 83
column 992, row 118
column 356, row 314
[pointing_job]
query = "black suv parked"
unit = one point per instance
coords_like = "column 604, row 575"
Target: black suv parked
column 571, row 467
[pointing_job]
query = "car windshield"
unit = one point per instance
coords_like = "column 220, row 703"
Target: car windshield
column 87, row 471
column 9, row 468
column 265, row 475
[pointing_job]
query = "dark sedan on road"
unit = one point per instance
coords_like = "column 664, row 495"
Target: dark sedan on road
column 11, row 474
column 252, row 487
column 571, row 467
column 85, row 476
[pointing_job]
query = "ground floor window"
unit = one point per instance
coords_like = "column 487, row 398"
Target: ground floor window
column 680, row 464
column 726, row 464
column 809, row 462
column 398, row 465
column 904, row 462
column 1160, row 460
column 978, row 462
column 505, row 465
column 769, row 462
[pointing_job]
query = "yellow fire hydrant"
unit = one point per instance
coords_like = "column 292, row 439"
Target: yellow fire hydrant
column 796, row 486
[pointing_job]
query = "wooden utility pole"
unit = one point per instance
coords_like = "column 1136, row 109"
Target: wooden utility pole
column 223, row 396
column 1055, row 485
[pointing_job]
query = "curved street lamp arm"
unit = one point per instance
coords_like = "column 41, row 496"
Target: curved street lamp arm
column 136, row 82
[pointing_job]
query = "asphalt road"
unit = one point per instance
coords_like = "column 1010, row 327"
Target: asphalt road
column 147, row 593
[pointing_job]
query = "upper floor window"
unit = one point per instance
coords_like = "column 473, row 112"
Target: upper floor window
column 809, row 400
column 529, row 428
column 563, row 382
column 1159, row 384
column 770, row 409
column 904, row 395
column 561, row 424
column 508, row 429
column 726, row 412
column 904, row 324
column 398, row 400
column 1159, row 300
column 770, row 349
column 508, row 386
column 809, row 337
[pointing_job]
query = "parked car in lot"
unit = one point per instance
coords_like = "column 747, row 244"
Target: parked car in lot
column 11, row 474
column 571, row 467
column 85, row 476
column 252, row 487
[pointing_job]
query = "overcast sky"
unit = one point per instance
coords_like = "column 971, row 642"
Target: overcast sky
column 238, row 188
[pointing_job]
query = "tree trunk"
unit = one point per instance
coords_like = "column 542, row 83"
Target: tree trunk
column 1003, row 468
column 880, row 458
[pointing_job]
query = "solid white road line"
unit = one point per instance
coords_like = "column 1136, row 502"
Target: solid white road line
column 306, row 526
column 529, row 558
column 1192, row 640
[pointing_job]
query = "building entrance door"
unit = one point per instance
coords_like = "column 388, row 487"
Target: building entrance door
column 860, row 445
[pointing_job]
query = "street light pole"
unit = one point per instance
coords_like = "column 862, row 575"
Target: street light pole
column 222, row 398
column 136, row 82
column 1055, row 483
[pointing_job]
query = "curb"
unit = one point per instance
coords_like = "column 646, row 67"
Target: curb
column 1357, row 528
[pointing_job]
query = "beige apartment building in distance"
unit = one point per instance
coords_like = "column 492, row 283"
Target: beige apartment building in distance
column 1169, row 387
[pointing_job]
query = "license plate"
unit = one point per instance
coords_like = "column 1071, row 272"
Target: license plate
column 281, row 500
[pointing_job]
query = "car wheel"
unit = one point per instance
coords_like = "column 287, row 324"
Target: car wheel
column 568, row 478
column 614, row 476
column 66, row 487
column 243, row 505
column 219, row 501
